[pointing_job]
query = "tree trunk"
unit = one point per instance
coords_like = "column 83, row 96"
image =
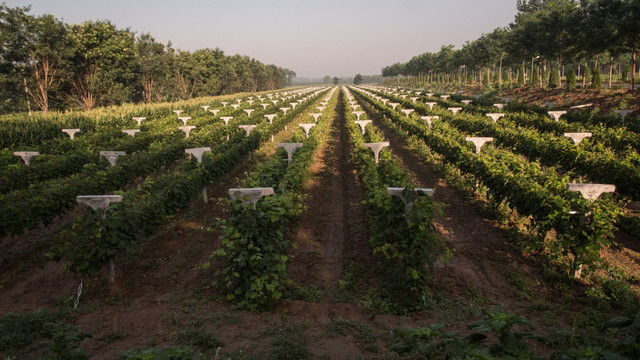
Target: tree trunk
column 610, row 72
column 500, row 75
column 633, row 68
column 26, row 90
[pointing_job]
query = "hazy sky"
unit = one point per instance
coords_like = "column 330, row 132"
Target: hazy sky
column 312, row 38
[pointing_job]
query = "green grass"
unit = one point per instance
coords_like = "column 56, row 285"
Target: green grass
column 520, row 283
column 305, row 293
column 289, row 341
column 111, row 336
column 198, row 339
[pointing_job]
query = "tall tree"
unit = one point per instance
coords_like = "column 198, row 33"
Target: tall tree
column 153, row 67
column 48, row 52
column 104, row 65
column 14, row 37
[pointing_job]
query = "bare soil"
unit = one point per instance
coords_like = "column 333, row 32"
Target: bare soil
column 166, row 292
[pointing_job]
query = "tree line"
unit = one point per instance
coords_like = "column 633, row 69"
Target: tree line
column 46, row 64
column 548, row 39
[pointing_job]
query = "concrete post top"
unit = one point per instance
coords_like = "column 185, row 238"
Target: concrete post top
column 429, row 118
column 270, row 117
column 429, row 94
column 466, row 102
column 235, row 106
column 591, row 191
column 205, row 107
column 623, row 113
column 306, row 127
column 249, row 111
column 112, row 156
column 556, row 114
column 499, row 106
column 288, row 146
column 224, row 103
column 363, row 124
column 407, row 111
column 197, row 152
column 479, row 141
column 397, row 191
column 26, row 155
column 454, row 110
column 315, row 116
column 184, row 119
column 131, row 132
column 247, row 128
column 178, row 112
column 250, row 195
column 393, row 105
column 72, row 132
column 495, row 116
column 445, row 96
column 186, row 129
column 578, row 137
column 264, row 105
column 226, row 119
column 214, row 111
column 414, row 99
column 98, row 202
column 321, row 108
column 376, row 146
column 112, row 153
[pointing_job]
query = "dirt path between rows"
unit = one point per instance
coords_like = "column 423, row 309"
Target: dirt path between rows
column 334, row 217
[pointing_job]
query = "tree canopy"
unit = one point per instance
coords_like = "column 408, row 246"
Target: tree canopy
column 47, row 64
column 548, row 32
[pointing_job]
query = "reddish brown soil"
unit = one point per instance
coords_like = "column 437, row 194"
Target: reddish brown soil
column 604, row 100
column 166, row 291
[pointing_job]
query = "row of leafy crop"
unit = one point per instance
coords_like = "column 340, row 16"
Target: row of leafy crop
column 92, row 242
column 538, row 194
column 25, row 130
column 590, row 160
column 588, row 116
column 254, row 253
column 62, row 156
column 404, row 236
column 605, row 130
column 594, row 161
column 42, row 202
